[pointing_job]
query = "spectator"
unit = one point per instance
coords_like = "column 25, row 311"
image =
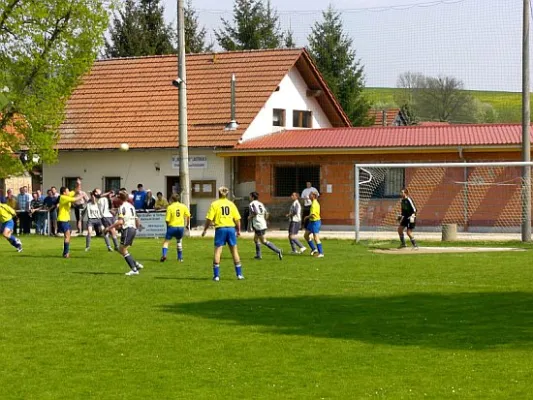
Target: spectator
column 161, row 203
column 50, row 204
column 40, row 195
column 3, row 198
column 23, row 202
column 139, row 197
column 79, row 209
column 150, row 200
column 36, row 206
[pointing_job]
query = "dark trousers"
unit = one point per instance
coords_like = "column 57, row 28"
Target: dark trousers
column 305, row 213
column 25, row 222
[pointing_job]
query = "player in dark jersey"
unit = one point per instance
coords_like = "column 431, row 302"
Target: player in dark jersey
column 407, row 219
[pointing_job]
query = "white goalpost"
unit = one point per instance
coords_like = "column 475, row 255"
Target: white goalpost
column 477, row 197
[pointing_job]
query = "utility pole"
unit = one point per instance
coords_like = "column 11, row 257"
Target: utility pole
column 182, row 85
column 526, row 118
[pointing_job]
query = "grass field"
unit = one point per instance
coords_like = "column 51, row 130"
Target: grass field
column 353, row 325
column 508, row 105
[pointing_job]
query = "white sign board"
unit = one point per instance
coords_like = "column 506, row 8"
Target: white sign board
column 194, row 162
column 153, row 224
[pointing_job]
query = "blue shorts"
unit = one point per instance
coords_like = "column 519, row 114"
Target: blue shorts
column 174, row 232
column 7, row 225
column 225, row 235
column 63, row 227
column 314, row 226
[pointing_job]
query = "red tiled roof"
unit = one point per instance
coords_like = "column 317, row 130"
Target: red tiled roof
column 389, row 137
column 132, row 100
column 390, row 116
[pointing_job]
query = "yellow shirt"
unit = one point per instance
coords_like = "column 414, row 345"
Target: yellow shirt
column 223, row 213
column 159, row 204
column 176, row 213
column 314, row 213
column 6, row 213
column 65, row 202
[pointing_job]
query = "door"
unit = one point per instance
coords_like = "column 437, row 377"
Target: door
column 173, row 186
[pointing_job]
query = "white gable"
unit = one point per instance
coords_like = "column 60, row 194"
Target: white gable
column 292, row 95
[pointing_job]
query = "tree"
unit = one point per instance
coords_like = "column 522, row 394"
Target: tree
column 194, row 35
column 254, row 27
column 46, row 46
column 441, row 98
column 332, row 51
column 139, row 29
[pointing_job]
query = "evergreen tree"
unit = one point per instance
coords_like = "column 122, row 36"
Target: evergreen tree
column 140, row 30
column 332, row 51
column 254, row 27
column 194, row 36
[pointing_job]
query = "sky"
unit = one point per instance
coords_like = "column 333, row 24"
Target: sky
column 476, row 41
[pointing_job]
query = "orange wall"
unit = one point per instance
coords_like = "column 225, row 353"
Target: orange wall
column 442, row 202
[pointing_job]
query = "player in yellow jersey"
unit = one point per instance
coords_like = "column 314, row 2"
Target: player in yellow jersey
column 223, row 214
column 66, row 198
column 313, row 227
column 177, row 219
column 7, row 225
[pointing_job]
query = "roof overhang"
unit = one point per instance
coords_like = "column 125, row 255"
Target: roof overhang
column 369, row 150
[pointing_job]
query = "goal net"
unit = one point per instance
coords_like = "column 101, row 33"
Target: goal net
column 477, row 197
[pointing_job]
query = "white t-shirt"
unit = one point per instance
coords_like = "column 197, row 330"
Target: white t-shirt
column 258, row 212
column 103, row 203
column 127, row 213
column 93, row 211
column 296, row 211
column 305, row 195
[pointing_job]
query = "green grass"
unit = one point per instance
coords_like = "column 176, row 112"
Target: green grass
column 354, row 325
column 508, row 105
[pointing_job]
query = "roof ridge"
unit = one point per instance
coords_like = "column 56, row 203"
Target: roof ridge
column 298, row 49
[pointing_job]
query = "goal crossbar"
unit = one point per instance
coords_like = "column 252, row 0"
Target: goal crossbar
column 365, row 167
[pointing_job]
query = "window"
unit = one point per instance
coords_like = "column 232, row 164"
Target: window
column 111, row 183
column 292, row 179
column 390, row 184
column 70, row 182
column 278, row 117
column 204, row 189
column 302, row 119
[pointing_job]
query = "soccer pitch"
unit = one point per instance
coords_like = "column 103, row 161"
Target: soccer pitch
column 353, row 325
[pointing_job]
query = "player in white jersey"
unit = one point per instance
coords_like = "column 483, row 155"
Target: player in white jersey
column 127, row 219
column 108, row 218
column 258, row 223
column 295, row 220
column 94, row 219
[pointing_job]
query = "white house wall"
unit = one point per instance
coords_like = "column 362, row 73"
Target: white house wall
column 134, row 167
column 291, row 96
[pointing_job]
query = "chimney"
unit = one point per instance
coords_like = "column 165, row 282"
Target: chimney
column 233, row 125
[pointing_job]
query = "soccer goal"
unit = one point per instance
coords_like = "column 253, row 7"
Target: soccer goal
column 473, row 198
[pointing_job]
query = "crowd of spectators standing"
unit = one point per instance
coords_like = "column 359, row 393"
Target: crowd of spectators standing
column 39, row 212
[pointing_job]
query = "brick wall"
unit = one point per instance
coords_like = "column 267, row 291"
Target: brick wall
column 435, row 201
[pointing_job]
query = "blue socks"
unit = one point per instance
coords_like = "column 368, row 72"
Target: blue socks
column 238, row 269
column 165, row 251
column 311, row 245
column 216, row 270
column 319, row 245
column 66, row 248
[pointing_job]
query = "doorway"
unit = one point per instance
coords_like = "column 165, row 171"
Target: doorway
column 173, row 186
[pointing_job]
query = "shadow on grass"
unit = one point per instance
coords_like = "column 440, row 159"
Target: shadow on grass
column 455, row 321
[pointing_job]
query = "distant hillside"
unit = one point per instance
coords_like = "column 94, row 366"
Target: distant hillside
column 508, row 105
